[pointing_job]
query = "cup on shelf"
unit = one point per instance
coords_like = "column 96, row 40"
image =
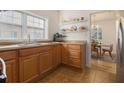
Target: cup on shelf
column 82, row 18
column 78, row 19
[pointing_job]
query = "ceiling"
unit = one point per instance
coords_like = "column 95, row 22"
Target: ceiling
column 104, row 15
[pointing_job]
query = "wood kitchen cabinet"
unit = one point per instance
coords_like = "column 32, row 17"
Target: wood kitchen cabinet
column 56, row 55
column 28, row 65
column 10, row 58
column 32, row 63
column 76, row 55
column 45, row 62
column 64, row 54
column 11, row 71
column 73, row 55
column 35, row 62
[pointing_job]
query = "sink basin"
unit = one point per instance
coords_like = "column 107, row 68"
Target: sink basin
column 32, row 44
column 44, row 43
column 49, row 43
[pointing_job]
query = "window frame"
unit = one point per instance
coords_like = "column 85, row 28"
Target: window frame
column 24, row 26
column 36, row 28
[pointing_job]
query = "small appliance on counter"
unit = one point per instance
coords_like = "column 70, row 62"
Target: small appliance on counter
column 58, row 37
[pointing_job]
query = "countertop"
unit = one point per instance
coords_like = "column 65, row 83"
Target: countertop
column 74, row 42
column 30, row 45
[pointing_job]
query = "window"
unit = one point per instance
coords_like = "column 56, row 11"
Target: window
column 17, row 25
column 10, row 25
column 35, row 27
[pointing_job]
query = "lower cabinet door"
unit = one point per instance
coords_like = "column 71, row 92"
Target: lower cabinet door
column 64, row 54
column 75, row 58
column 45, row 62
column 11, row 71
column 56, row 55
column 28, row 68
column 75, row 62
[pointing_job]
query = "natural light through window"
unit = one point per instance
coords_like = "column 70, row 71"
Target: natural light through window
column 18, row 25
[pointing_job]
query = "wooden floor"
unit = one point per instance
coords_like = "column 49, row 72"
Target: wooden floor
column 100, row 72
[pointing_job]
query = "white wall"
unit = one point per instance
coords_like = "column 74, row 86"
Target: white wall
column 53, row 20
column 66, row 14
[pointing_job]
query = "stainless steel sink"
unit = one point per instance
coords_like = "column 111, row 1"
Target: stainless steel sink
column 29, row 44
column 49, row 43
column 44, row 43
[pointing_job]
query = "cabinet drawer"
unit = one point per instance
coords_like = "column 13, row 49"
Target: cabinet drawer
column 74, row 47
column 75, row 62
column 45, row 48
column 74, row 54
column 28, row 51
column 65, row 60
column 64, row 45
column 7, row 55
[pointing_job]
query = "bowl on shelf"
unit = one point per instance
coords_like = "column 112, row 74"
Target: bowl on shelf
column 82, row 28
column 74, row 28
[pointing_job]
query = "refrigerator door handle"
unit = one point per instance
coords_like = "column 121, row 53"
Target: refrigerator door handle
column 120, row 43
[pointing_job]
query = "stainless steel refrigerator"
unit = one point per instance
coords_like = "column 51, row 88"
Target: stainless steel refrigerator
column 120, row 50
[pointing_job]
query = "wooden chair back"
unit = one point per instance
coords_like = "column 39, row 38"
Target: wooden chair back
column 111, row 47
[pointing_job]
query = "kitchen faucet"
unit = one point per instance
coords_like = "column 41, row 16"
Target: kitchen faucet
column 29, row 38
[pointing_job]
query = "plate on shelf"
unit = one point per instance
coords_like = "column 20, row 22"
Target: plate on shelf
column 73, row 22
column 74, row 28
column 82, row 28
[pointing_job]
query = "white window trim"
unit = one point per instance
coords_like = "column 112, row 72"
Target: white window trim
column 46, row 34
column 24, row 26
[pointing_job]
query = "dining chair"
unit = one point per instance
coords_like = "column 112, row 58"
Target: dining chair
column 107, row 48
column 94, row 49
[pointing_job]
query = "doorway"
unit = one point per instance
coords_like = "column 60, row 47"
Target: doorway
column 103, row 41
